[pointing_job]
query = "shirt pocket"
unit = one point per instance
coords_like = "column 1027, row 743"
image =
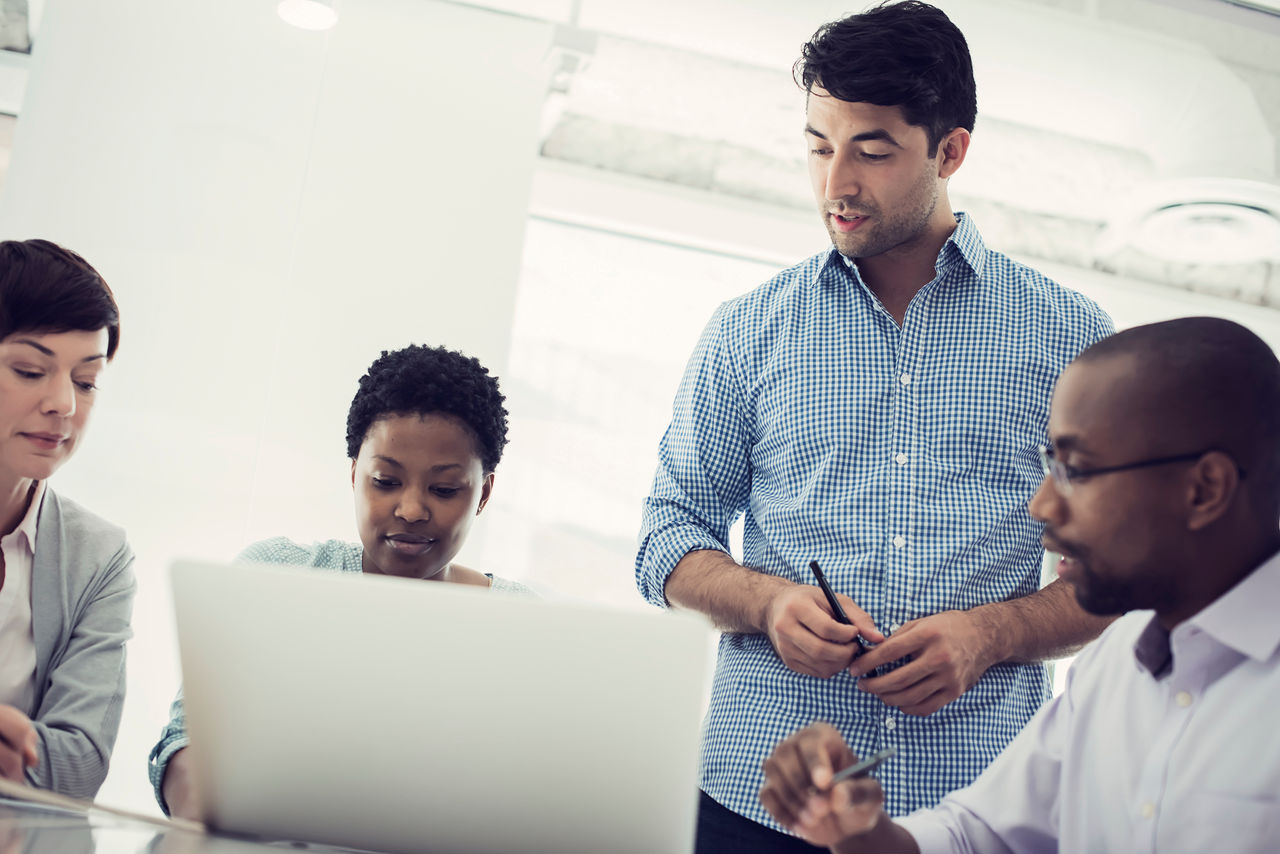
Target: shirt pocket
column 1214, row 821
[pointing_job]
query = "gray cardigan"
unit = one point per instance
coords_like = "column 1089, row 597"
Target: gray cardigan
column 82, row 589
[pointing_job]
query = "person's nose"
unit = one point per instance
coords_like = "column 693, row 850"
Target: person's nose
column 60, row 397
column 1047, row 504
column 412, row 507
column 843, row 179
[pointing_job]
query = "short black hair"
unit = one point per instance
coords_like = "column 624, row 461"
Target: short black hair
column 1216, row 382
column 907, row 55
column 46, row 288
column 421, row 380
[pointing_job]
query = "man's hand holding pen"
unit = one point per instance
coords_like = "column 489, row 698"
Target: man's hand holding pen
column 807, row 635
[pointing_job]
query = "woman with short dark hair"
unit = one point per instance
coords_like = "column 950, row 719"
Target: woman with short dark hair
column 425, row 431
column 66, row 576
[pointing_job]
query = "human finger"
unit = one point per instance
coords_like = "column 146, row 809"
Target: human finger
column 930, row 704
column 899, row 645
column 18, row 734
column 860, row 619
column 11, row 764
column 786, row 780
column 856, row 805
column 814, row 612
column 913, row 694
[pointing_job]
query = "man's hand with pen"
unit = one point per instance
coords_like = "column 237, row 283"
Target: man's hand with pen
column 809, row 635
column 945, row 655
column 843, row 810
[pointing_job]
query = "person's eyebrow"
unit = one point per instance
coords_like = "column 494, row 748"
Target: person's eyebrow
column 37, row 345
column 43, row 349
column 439, row 467
column 877, row 135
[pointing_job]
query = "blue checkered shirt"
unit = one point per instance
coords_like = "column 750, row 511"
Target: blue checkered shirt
column 901, row 459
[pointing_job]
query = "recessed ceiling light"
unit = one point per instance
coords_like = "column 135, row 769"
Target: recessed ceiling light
column 1209, row 233
column 1197, row 221
column 309, row 14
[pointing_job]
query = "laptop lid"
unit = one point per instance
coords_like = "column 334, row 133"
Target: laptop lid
column 411, row 716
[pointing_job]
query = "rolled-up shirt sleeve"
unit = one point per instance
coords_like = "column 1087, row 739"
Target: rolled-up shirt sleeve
column 703, row 477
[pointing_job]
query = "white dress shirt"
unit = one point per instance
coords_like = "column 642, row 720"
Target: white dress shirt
column 1161, row 742
column 18, row 659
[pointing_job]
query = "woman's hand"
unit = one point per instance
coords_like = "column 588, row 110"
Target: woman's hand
column 18, row 743
column 179, row 787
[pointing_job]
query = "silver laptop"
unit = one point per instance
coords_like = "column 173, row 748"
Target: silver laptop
column 407, row 716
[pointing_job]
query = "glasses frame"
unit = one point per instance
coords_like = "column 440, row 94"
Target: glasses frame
column 1064, row 476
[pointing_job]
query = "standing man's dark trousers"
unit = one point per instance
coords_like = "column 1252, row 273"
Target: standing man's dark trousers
column 723, row 831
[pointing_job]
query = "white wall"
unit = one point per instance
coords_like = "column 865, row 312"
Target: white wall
column 272, row 207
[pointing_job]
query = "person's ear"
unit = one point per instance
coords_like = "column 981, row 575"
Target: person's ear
column 485, row 491
column 951, row 152
column 1215, row 480
column 353, row 474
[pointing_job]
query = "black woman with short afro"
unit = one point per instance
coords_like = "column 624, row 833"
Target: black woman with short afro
column 424, row 433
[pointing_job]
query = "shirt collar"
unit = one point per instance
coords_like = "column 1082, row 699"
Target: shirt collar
column 1242, row 618
column 27, row 527
column 1235, row 620
column 964, row 245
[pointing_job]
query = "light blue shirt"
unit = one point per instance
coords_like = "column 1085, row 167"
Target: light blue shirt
column 900, row 458
column 1160, row 742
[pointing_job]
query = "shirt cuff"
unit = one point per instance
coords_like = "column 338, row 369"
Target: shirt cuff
column 663, row 551
column 159, row 763
column 929, row 831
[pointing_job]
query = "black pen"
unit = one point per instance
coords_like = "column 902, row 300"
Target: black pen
column 841, row 616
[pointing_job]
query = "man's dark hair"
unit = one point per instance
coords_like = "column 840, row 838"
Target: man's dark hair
column 419, row 380
column 45, row 288
column 907, row 55
column 1217, row 384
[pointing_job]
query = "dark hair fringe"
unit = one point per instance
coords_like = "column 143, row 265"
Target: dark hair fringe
column 421, row 380
column 46, row 288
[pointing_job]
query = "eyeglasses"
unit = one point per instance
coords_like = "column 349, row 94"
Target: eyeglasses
column 1064, row 475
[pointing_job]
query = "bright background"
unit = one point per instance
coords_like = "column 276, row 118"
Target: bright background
column 565, row 190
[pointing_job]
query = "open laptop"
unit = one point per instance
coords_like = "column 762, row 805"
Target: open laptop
column 406, row 716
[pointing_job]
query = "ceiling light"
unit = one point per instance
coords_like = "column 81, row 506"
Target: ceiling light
column 309, row 14
column 1197, row 221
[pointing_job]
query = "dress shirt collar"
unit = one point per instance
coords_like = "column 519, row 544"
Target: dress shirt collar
column 26, row 529
column 965, row 245
column 1239, row 619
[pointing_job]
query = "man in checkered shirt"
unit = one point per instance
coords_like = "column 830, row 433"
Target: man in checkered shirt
column 877, row 408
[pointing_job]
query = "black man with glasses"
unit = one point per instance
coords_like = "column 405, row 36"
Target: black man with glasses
column 1162, row 494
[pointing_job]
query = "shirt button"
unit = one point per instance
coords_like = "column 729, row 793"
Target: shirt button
column 1148, row 810
column 899, row 541
column 890, row 724
column 905, row 379
column 901, row 459
column 891, row 628
column 1182, row 699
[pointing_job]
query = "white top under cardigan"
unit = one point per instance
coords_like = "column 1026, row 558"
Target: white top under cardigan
column 18, row 663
